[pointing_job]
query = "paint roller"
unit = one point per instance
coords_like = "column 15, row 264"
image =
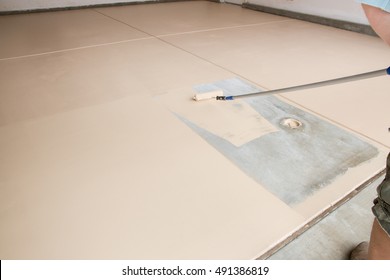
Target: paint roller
column 218, row 94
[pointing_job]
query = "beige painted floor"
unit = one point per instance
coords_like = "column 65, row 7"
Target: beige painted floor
column 95, row 164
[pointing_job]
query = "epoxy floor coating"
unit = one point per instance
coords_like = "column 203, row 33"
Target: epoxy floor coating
column 98, row 162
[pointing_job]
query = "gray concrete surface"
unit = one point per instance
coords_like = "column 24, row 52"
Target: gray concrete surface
column 337, row 233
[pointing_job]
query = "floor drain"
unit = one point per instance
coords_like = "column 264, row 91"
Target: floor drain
column 291, row 123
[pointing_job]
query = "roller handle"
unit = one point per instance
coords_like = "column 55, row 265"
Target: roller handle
column 357, row 77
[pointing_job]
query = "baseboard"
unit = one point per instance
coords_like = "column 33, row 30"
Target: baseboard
column 92, row 6
column 346, row 25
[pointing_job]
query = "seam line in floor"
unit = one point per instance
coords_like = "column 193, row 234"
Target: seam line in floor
column 74, row 49
column 223, row 28
column 186, row 51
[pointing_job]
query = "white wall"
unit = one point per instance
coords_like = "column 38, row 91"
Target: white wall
column 347, row 10
column 18, row 5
